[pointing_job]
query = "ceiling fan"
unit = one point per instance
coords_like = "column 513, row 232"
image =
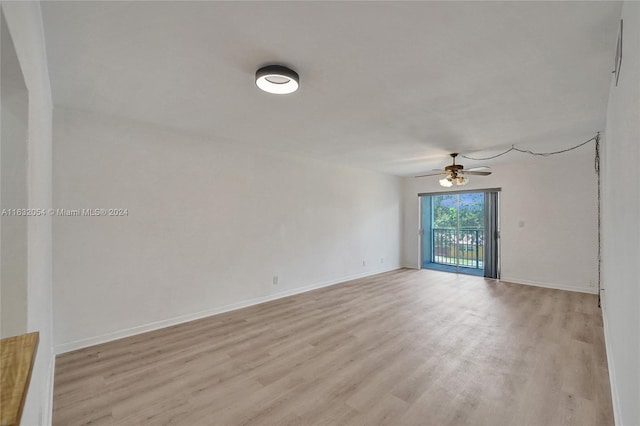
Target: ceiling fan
column 456, row 173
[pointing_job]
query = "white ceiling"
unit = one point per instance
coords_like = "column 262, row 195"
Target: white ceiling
column 389, row 86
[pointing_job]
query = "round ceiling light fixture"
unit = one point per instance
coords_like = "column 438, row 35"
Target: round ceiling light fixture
column 277, row 79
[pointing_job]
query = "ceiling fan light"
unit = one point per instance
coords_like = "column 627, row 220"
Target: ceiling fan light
column 461, row 180
column 454, row 174
column 446, row 182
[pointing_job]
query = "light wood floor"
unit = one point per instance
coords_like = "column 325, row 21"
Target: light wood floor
column 402, row 348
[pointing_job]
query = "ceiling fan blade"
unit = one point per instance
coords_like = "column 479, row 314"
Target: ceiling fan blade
column 433, row 174
column 469, row 172
column 475, row 169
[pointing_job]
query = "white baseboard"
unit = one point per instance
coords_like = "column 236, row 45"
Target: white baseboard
column 535, row 283
column 612, row 375
column 549, row 285
column 409, row 267
column 107, row 337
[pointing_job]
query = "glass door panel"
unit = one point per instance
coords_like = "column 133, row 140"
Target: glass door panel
column 453, row 232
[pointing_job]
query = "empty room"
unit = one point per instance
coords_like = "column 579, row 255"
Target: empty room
column 320, row 213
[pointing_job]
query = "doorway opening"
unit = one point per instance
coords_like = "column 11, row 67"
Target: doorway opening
column 459, row 232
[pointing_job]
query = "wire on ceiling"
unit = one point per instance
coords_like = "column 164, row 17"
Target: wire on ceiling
column 527, row 151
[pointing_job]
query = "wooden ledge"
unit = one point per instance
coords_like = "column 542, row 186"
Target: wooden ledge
column 17, row 355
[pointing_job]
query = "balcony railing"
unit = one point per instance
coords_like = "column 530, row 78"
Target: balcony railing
column 462, row 247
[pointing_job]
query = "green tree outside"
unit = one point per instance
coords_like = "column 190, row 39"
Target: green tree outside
column 469, row 207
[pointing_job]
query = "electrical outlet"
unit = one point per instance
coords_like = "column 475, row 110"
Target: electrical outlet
column 382, row 260
column 275, row 280
column 364, row 263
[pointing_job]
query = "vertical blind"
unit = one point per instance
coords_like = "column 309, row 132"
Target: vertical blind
column 492, row 233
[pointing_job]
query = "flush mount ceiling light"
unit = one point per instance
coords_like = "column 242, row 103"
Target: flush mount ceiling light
column 277, row 79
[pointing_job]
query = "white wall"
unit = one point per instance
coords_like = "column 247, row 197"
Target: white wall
column 24, row 21
column 209, row 225
column 621, row 229
column 13, row 192
column 548, row 218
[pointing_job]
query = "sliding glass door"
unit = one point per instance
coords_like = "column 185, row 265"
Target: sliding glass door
column 454, row 232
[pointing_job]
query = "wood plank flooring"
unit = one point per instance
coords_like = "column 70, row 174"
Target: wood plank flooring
column 402, row 348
